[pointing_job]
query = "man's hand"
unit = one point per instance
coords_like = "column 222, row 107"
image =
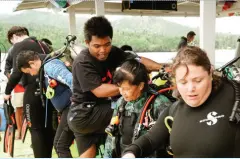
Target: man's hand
column 6, row 97
column 166, row 68
column 8, row 75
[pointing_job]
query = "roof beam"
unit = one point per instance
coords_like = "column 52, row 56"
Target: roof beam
column 26, row 4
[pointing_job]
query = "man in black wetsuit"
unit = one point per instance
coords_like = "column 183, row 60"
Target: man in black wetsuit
column 42, row 137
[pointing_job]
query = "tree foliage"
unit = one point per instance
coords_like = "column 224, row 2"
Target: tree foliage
column 144, row 34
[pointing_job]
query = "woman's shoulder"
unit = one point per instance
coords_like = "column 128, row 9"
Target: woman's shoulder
column 226, row 86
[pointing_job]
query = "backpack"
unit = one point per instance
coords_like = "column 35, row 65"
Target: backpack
column 65, row 54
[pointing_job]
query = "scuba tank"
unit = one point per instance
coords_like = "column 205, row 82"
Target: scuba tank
column 75, row 50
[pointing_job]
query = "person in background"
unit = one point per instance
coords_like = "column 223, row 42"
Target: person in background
column 187, row 41
column 190, row 38
column 41, row 135
column 17, row 99
column 183, row 43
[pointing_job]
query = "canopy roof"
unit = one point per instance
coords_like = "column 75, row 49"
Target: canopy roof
column 184, row 8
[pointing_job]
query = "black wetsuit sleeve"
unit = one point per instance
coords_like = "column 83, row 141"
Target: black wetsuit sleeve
column 157, row 137
column 13, row 81
column 14, row 78
column 8, row 64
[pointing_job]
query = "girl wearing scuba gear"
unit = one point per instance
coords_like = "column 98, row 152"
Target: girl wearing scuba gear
column 132, row 80
column 201, row 126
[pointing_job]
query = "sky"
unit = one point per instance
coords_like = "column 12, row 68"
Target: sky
column 225, row 25
column 7, row 6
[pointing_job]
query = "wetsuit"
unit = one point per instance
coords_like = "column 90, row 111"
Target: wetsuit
column 42, row 138
column 197, row 132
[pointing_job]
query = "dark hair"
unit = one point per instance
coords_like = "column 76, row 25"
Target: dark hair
column 97, row 26
column 126, row 48
column 191, row 34
column 18, row 31
column 132, row 71
column 24, row 57
column 195, row 56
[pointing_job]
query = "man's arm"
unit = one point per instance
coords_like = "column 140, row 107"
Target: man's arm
column 106, row 90
column 15, row 77
column 90, row 80
column 12, row 82
column 151, row 65
column 8, row 64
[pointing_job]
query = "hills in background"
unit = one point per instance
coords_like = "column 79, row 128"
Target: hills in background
column 61, row 20
column 143, row 33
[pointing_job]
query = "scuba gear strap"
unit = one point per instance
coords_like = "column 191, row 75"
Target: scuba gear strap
column 143, row 112
column 235, row 116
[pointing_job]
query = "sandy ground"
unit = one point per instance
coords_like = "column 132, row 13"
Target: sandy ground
column 21, row 150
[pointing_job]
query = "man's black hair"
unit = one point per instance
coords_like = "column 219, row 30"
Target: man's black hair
column 126, row 48
column 97, row 26
column 191, row 34
column 132, row 71
column 24, row 57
